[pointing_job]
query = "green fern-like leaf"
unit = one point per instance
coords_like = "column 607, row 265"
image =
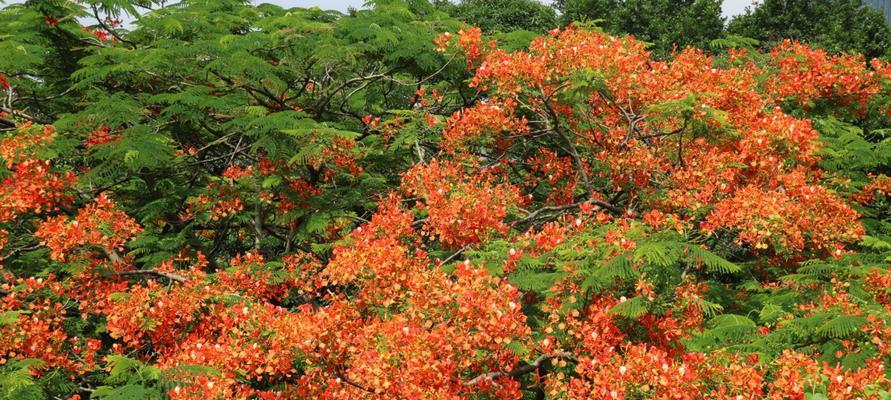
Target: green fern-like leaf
column 18, row 383
column 10, row 317
column 708, row 308
column 818, row 268
column 712, row 262
column 120, row 367
column 631, row 308
column 841, row 326
column 126, row 392
column 619, row 267
column 771, row 313
column 730, row 326
column 535, row 281
column 656, row 253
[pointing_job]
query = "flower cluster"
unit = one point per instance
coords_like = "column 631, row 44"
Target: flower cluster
column 99, row 224
column 793, row 217
column 37, row 331
column 101, row 136
column 805, row 75
column 33, row 187
column 481, row 123
column 463, row 207
column 25, row 143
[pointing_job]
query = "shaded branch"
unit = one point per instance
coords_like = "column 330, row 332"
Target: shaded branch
column 155, row 273
column 18, row 250
column 109, row 29
column 20, row 114
column 537, row 213
column 116, row 259
column 327, row 99
column 344, row 379
column 522, row 369
column 455, row 254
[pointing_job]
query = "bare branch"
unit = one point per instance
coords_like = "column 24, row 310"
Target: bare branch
column 344, row 379
column 537, row 213
column 17, row 250
column 109, row 29
column 327, row 99
column 20, row 114
column 455, row 254
column 116, row 259
column 155, row 273
column 522, row 369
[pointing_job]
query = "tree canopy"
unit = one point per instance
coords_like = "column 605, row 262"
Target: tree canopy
column 237, row 201
column 835, row 25
column 503, row 15
column 666, row 24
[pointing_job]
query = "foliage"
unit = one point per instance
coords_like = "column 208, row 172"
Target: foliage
column 834, row 25
column 231, row 201
column 665, row 24
column 503, row 15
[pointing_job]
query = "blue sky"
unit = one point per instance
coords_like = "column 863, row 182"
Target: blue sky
column 731, row 7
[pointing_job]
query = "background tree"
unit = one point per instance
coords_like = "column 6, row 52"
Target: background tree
column 665, row 23
column 834, row 25
column 502, row 15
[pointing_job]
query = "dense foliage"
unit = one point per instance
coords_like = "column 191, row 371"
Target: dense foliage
column 665, row 24
column 235, row 201
column 835, row 25
column 502, row 15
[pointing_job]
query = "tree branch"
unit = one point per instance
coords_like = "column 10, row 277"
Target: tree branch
column 535, row 214
column 320, row 105
column 455, row 254
column 155, row 273
column 109, row 29
column 344, row 379
column 21, row 114
column 17, row 250
column 522, row 369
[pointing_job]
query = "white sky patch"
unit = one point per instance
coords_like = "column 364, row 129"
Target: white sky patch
column 730, row 7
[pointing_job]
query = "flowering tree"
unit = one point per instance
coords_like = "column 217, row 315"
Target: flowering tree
column 232, row 201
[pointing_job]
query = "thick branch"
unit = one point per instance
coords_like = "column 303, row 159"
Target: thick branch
column 20, row 114
column 522, row 369
column 344, row 379
column 325, row 100
column 19, row 250
column 455, row 254
column 109, row 29
column 573, row 151
column 8, row 122
column 155, row 273
column 535, row 214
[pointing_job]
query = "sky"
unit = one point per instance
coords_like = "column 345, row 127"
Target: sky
column 731, row 7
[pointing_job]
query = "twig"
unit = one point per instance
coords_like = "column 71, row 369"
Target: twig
column 418, row 223
column 455, row 254
column 116, row 259
column 344, row 379
column 320, row 105
column 523, row 369
column 534, row 214
column 154, row 272
column 109, row 29
column 19, row 250
column 420, row 152
column 21, row 114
